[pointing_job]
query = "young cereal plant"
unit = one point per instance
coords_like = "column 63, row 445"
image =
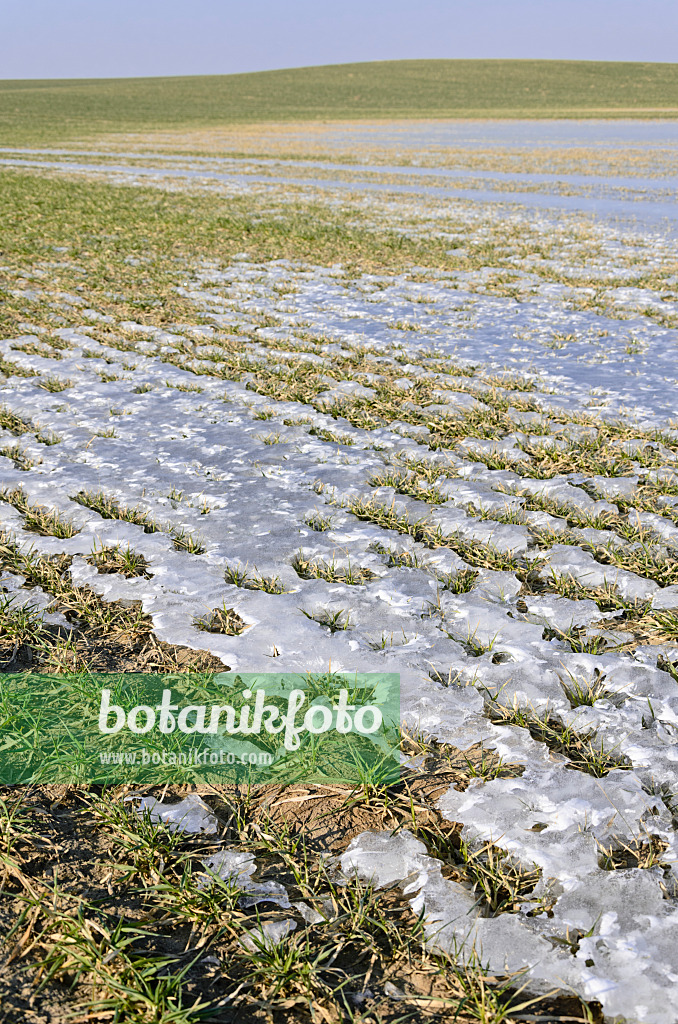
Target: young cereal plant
column 648, row 626
column 184, row 541
column 575, row 637
column 460, row 582
column 239, row 577
column 146, row 842
column 499, row 883
column 318, row 522
column 649, row 561
column 476, row 762
column 222, row 620
column 402, row 559
column 488, row 765
column 581, row 749
column 607, row 596
column 15, row 424
column 330, row 572
column 15, row 826
column 403, row 325
column 390, row 519
column 582, row 692
column 11, row 369
column 118, row 560
column 664, row 625
column 643, row 853
column 19, row 457
column 47, row 439
column 502, row 884
column 475, row 648
column 428, row 533
column 185, row 387
column 386, row 640
column 38, row 519
column 269, row 584
column 77, row 949
column 108, row 508
column 405, row 483
column 427, row 470
column 54, row 384
column 297, row 421
column 508, row 515
column 334, row 621
column 331, row 436
column 19, row 625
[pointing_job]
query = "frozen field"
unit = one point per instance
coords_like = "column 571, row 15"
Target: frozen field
column 465, row 473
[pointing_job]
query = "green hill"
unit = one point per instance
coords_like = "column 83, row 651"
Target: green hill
column 62, row 109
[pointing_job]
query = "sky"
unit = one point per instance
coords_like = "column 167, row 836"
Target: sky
column 116, row 38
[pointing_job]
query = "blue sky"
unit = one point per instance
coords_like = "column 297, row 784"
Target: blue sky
column 100, row 38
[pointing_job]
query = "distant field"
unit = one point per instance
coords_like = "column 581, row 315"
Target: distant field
column 48, row 111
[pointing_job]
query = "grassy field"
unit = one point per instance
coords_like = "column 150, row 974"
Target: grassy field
column 106, row 916
column 58, row 110
column 100, row 228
